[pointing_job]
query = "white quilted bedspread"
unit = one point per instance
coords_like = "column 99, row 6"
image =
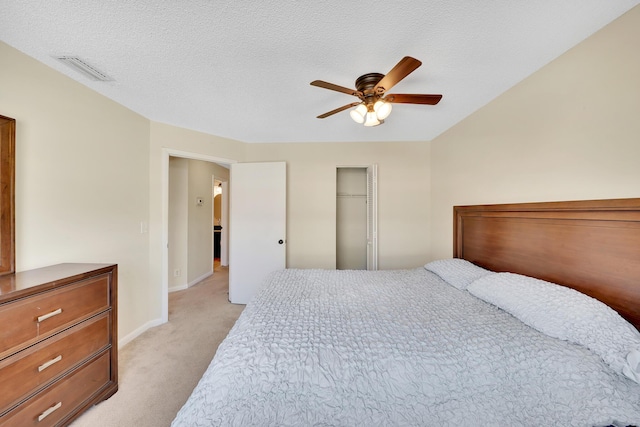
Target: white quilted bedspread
column 397, row 348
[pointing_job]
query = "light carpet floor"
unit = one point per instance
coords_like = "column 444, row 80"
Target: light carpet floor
column 159, row 369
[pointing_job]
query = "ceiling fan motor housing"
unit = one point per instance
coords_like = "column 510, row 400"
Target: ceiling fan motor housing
column 366, row 83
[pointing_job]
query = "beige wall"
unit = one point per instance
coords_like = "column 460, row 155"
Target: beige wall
column 571, row 131
column 403, row 193
column 82, row 179
column 403, row 199
column 178, row 222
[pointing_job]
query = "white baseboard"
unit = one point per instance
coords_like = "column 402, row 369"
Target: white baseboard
column 199, row 279
column 191, row 283
column 178, row 288
column 139, row 331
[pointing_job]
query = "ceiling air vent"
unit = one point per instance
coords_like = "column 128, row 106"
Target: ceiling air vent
column 82, row 67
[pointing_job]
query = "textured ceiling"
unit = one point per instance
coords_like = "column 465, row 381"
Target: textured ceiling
column 241, row 69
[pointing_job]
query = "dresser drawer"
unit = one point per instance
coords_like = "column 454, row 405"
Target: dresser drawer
column 28, row 370
column 61, row 399
column 28, row 320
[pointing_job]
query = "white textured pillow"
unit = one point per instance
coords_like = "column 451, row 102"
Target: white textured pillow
column 567, row 314
column 457, row 272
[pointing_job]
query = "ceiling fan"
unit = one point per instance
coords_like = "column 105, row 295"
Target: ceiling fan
column 375, row 104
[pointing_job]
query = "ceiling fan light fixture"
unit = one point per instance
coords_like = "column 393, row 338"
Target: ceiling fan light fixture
column 371, row 119
column 382, row 109
column 358, row 114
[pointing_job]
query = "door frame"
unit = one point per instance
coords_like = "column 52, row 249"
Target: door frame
column 166, row 153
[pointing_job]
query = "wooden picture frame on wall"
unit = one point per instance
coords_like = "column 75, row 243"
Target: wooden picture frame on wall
column 7, row 195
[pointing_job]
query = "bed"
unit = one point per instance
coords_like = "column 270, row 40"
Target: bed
column 534, row 321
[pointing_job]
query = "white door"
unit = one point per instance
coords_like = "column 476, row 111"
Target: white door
column 257, row 226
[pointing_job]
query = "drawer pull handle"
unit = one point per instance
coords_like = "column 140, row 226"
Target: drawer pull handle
column 45, row 365
column 48, row 315
column 49, row 411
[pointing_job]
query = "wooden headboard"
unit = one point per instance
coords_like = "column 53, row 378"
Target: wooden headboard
column 592, row 246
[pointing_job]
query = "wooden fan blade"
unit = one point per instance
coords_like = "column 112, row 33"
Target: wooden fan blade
column 337, row 110
column 331, row 86
column 402, row 69
column 398, row 98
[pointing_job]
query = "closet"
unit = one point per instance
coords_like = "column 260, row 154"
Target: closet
column 356, row 218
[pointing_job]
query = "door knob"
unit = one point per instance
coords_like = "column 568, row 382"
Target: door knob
column 280, row 241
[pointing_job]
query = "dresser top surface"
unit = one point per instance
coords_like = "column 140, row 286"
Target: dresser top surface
column 18, row 285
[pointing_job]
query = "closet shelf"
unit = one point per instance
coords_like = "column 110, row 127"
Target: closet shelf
column 352, row 195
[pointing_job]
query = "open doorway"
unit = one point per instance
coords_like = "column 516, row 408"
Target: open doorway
column 193, row 199
column 220, row 223
column 194, row 222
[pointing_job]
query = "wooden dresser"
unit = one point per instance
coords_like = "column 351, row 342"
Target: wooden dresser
column 58, row 343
